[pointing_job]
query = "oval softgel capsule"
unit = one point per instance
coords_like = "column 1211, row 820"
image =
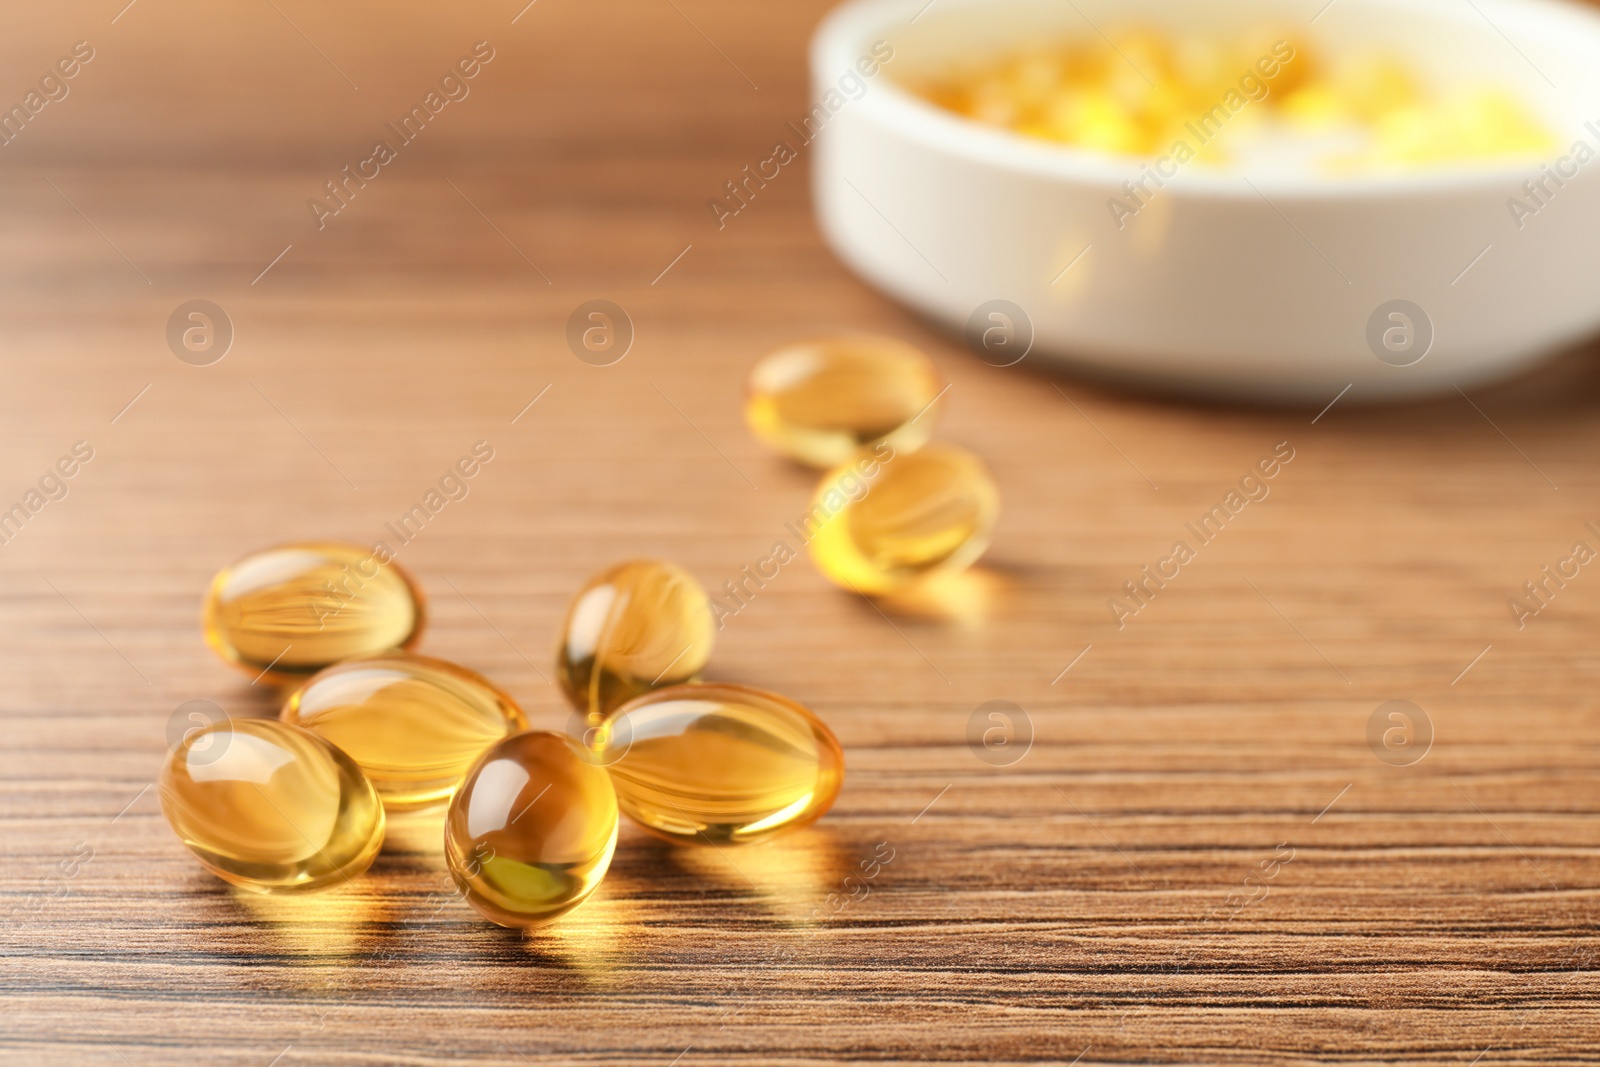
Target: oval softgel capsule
column 820, row 401
column 715, row 764
column 271, row 807
column 887, row 525
column 638, row 626
column 287, row 612
column 530, row 833
column 414, row 725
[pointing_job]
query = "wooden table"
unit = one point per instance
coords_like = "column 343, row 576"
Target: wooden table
column 1201, row 857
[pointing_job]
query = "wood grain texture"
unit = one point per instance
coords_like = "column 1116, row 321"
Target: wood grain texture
column 1100, row 900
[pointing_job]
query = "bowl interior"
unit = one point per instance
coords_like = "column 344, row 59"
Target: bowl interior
column 1546, row 52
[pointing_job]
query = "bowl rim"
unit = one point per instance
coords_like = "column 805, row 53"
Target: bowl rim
column 849, row 30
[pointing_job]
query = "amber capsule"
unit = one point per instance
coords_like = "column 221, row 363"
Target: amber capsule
column 636, row 627
column 880, row 526
column 413, row 724
column 719, row 763
column 271, row 807
column 288, row 612
column 821, row 400
column 530, row 833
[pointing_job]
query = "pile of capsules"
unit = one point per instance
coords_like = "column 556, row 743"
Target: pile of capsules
column 370, row 727
column 1141, row 92
column 299, row 802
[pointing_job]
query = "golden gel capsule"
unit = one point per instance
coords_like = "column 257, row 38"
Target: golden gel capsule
column 885, row 525
column 271, row 807
column 531, row 831
column 820, row 401
column 720, row 763
column 414, row 725
column 636, row 627
column 288, row 612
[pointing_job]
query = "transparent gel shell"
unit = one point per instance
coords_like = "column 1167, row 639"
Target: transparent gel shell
column 820, row 401
column 531, row 831
column 414, row 725
column 718, row 764
column 271, row 807
column 929, row 511
column 287, row 612
column 638, row 626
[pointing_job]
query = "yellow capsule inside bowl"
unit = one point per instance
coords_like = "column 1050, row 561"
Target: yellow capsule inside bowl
column 530, row 833
column 414, row 725
column 637, row 626
column 271, row 807
column 819, row 401
column 881, row 526
column 1264, row 95
column 718, row 764
column 285, row 613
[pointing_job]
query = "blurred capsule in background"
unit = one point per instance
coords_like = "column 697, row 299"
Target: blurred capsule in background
column 635, row 627
column 530, row 833
column 819, row 401
column 287, row 612
column 414, row 725
column 271, row 807
column 881, row 526
column 718, row 764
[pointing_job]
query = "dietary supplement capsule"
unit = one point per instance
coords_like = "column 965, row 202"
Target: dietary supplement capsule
column 414, row 725
column 638, row 626
column 719, row 763
column 886, row 525
column 287, row 612
column 530, row 833
column 819, row 401
column 271, row 807
column 1140, row 93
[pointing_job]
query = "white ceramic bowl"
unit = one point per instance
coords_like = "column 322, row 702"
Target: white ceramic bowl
column 1257, row 284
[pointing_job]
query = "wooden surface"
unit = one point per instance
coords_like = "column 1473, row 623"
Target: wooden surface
column 1102, row 899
